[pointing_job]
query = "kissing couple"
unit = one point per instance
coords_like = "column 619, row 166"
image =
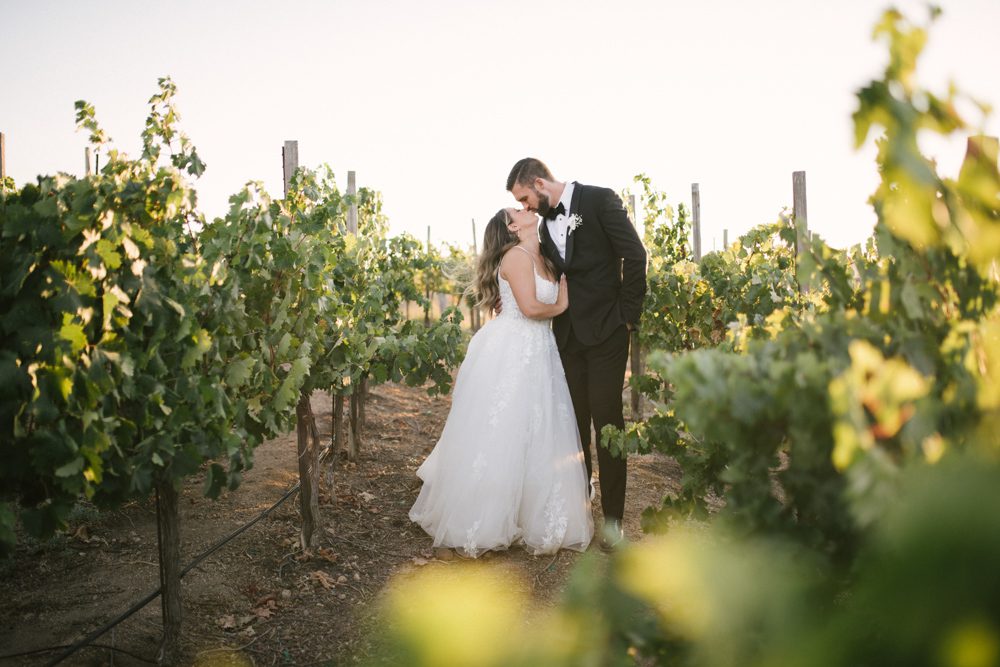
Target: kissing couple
column 565, row 273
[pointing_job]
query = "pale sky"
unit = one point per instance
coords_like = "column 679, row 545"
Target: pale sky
column 433, row 101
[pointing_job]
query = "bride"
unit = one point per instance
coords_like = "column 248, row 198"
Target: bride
column 508, row 467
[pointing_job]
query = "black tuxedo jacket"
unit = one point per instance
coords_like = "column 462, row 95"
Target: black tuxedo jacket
column 605, row 267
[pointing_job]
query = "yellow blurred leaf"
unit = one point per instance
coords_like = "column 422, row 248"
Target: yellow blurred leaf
column 462, row 615
column 972, row 643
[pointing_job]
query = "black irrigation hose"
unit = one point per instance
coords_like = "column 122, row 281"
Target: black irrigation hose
column 108, row 647
column 89, row 639
column 212, row 549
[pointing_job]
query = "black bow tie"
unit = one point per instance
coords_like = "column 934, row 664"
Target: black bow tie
column 555, row 212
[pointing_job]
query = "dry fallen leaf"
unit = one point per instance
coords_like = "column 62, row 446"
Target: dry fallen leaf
column 327, row 555
column 230, row 622
column 323, row 579
column 268, row 600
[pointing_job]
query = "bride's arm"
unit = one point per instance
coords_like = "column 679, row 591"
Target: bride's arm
column 517, row 269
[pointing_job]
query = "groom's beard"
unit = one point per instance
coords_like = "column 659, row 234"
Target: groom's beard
column 543, row 204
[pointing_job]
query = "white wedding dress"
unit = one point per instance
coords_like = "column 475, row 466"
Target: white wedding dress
column 508, row 467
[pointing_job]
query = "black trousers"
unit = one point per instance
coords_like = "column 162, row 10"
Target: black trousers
column 596, row 374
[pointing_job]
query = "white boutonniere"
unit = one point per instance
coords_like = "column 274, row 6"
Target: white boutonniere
column 574, row 221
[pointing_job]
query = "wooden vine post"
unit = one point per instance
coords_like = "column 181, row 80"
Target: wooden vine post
column 427, row 295
column 476, row 314
column 801, row 219
column 339, row 432
column 634, row 349
column 696, row 217
column 308, row 448
column 362, row 419
column 168, row 535
column 354, row 414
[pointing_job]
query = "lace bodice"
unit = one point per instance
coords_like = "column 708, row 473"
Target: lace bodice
column 546, row 291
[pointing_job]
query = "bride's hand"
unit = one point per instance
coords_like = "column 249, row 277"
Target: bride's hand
column 562, row 301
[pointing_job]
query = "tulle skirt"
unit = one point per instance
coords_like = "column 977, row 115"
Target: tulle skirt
column 508, row 468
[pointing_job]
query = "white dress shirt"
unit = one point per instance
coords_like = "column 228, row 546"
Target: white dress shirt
column 559, row 227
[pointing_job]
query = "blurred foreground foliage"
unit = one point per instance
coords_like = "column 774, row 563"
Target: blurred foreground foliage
column 844, row 407
column 924, row 590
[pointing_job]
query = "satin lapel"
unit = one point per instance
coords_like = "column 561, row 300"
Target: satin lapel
column 574, row 207
column 549, row 247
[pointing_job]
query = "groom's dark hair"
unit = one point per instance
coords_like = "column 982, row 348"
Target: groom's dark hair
column 525, row 172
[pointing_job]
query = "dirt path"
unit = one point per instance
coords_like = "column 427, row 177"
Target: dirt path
column 257, row 593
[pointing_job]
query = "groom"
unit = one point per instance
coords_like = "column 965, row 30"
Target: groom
column 586, row 232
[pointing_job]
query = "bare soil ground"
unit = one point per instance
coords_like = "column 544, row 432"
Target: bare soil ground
column 259, row 600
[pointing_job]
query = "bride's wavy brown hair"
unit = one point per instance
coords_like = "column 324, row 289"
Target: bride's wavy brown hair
column 497, row 240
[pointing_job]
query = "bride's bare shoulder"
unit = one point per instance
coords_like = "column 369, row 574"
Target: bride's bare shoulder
column 515, row 259
column 517, row 251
